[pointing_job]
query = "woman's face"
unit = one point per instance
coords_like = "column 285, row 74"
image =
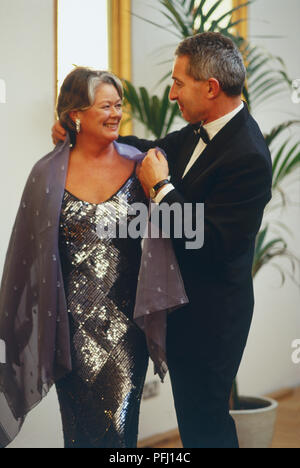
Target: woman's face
column 102, row 119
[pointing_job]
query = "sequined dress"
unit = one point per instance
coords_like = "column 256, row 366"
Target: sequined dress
column 100, row 399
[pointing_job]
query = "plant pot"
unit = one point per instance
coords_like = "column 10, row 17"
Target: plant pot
column 255, row 422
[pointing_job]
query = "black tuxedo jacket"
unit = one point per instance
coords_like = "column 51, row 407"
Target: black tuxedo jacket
column 233, row 178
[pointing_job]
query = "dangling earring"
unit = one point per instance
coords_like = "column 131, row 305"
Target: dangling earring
column 77, row 122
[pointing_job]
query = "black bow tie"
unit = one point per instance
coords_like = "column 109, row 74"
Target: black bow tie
column 203, row 134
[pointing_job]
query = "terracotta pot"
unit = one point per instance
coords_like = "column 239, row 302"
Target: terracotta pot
column 255, row 423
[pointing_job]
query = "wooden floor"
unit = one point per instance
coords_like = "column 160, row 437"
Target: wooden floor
column 287, row 430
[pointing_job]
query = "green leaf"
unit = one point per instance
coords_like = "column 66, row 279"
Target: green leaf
column 146, row 103
column 284, row 168
column 232, row 10
column 175, row 112
column 155, row 113
column 132, row 98
column 165, row 104
column 212, row 9
column 178, row 20
column 259, row 242
column 171, row 31
column 278, row 156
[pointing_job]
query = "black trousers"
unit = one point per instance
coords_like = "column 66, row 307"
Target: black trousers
column 203, row 363
column 203, row 422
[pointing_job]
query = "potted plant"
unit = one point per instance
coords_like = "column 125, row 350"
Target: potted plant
column 266, row 78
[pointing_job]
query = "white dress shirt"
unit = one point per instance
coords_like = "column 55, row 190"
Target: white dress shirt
column 212, row 129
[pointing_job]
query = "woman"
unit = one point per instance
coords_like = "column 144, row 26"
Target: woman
column 69, row 295
column 100, row 398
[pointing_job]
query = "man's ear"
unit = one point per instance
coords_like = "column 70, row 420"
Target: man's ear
column 214, row 88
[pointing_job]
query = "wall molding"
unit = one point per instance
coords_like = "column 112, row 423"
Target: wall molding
column 120, row 59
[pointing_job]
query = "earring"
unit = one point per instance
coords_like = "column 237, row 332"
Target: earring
column 77, row 122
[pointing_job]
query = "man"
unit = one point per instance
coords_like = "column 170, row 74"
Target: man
column 225, row 164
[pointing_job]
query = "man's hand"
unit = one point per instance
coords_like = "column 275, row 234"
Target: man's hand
column 152, row 170
column 58, row 133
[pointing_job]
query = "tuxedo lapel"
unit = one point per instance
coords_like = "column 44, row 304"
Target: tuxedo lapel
column 185, row 152
column 215, row 148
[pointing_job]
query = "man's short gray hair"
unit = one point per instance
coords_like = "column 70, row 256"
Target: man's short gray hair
column 213, row 55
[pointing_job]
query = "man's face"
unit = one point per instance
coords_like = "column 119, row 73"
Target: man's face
column 191, row 95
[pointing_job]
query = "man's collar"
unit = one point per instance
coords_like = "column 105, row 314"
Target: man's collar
column 215, row 126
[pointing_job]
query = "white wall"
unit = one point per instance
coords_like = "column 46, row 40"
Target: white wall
column 27, row 66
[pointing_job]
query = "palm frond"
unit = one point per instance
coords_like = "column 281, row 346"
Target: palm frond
column 266, row 250
column 285, row 161
column 266, row 74
column 228, row 13
column 277, row 131
column 160, row 26
column 155, row 113
column 177, row 17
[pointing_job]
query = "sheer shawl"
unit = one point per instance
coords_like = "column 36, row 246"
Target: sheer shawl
column 34, row 326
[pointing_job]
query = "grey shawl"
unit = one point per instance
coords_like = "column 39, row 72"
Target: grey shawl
column 34, row 325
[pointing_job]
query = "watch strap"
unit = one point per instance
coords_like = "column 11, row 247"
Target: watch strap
column 160, row 184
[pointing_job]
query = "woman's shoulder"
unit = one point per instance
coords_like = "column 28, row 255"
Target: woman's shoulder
column 56, row 155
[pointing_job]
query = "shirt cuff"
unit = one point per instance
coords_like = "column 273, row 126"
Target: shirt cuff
column 163, row 192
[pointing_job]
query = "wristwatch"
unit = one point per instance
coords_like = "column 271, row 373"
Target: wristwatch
column 153, row 190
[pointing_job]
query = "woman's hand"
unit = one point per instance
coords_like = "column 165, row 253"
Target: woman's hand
column 58, row 133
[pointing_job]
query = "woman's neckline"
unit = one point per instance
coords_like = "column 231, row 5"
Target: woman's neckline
column 109, row 199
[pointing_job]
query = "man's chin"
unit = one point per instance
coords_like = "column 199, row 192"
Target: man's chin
column 188, row 118
column 185, row 116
